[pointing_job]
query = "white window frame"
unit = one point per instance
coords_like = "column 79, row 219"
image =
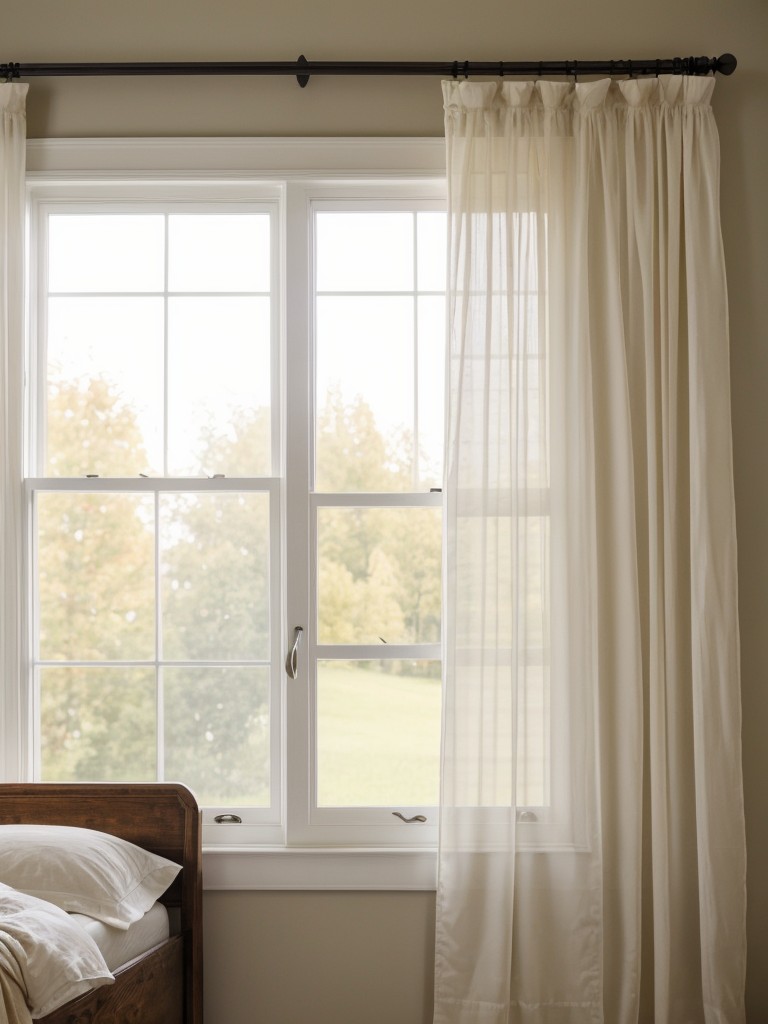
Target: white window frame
column 97, row 195
column 306, row 822
column 339, row 856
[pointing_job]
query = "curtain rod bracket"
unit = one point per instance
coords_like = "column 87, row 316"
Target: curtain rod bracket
column 302, row 79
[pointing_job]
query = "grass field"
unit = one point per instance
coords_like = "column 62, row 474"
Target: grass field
column 378, row 737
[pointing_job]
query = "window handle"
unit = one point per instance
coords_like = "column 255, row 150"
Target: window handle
column 292, row 661
column 409, row 821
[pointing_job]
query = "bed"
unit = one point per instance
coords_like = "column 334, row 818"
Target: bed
column 164, row 984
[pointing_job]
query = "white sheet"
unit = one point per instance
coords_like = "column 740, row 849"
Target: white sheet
column 117, row 945
column 45, row 955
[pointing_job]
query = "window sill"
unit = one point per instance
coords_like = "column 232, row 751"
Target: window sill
column 278, row 867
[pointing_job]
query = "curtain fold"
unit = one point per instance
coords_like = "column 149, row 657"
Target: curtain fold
column 12, row 207
column 592, row 855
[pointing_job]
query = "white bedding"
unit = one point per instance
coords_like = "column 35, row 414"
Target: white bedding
column 46, row 959
column 117, row 945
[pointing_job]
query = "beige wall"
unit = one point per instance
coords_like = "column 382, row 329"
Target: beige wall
column 355, row 958
column 318, row 958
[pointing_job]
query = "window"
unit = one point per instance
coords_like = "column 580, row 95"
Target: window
column 375, row 512
column 156, row 537
column 236, row 429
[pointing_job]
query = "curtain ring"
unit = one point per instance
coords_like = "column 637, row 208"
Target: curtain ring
column 455, row 71
column 575, row 71
column 466, row 69
column 631, row 72
column 501, row 69
column 658, row 65
column 541, row 65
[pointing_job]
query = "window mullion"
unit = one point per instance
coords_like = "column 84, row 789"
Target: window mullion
column 298, row 399
column 165, row 344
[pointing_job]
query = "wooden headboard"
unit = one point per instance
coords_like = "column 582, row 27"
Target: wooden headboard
column 161, row 817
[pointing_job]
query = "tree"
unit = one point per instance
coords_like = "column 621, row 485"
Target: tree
column 354, row 456
column 379, row 572
column 95, row 597
column 215, row 603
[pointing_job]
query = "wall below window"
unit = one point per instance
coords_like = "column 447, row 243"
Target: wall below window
column 365, row 958
column 318, row 957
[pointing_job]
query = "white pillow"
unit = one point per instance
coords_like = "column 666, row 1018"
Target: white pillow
column 84, row 871
column 49, row 956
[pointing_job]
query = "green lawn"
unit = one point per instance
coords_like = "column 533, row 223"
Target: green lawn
column 378, row 737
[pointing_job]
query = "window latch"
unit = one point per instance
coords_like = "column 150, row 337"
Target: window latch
column 292, row 661
column 409, row 821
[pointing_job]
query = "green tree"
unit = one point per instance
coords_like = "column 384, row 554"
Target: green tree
column 379, row 574
column 95, row 597
column 215, row 607
column 357, row 597
column 353, row 455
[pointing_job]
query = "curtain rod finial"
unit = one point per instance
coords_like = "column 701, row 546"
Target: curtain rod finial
column 726, row 64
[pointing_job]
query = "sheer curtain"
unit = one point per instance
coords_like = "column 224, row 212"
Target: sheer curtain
column 12, row 199
column 592, row 860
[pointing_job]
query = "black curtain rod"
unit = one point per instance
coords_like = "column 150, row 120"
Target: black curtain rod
column 303, row 69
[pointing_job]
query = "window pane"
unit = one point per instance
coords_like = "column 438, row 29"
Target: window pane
column 105, row 386
column 379, row 575
column 521, row 740
column 215, row 576
column 96, row 584
column 533, row 737
column 219, row 386
column 432, row 250
column 365, row 394
column 218, row 253
column 431, row 312
column 98, row 724
column 217, row 733
column 106, row 253
column 378, row 733
column 515, row 553
column 364, row 251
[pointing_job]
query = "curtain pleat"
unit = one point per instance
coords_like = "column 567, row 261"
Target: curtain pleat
column 592, row 856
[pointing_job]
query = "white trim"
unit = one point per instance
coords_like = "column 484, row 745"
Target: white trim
column 344, row 848
column 267, row 159
column 372, row 499
column 151, row 484
column 302, row 868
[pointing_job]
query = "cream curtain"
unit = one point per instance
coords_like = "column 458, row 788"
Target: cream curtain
column 592, row 860
column 12, row 200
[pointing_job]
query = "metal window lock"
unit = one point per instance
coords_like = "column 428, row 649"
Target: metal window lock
column 292, row 661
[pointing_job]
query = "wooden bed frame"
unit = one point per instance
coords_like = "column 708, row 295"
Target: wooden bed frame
column 164, row 985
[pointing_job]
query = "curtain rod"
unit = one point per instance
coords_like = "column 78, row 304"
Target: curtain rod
column 303, row 69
